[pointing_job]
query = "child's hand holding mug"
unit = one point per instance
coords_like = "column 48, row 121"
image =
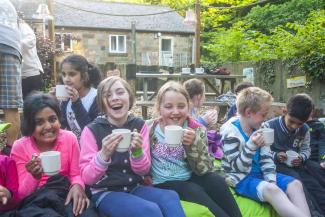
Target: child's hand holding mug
column 282, row 156
column 136, row 140
column 5, row 195
column 34, row 167
column 211, row 116
column 188, row 136
column 257, row 138
column 296, row 162
column 109, row 144
column 73, row 93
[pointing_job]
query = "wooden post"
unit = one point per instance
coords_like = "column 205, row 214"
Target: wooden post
column 197, row 33
column 133, row 43
column 52, row 38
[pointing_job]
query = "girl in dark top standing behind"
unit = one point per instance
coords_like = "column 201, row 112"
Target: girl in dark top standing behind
column 81, row 78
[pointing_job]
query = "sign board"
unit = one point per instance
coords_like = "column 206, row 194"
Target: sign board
column 298, row 81
column 249, row 73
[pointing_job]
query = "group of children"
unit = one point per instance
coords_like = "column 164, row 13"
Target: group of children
column 151, row 177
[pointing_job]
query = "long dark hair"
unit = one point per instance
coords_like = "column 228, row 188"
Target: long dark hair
column 89, row 73
column 34, row 103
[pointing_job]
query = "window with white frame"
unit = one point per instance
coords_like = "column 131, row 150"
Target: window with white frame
column 63, row 41
column 117, row 44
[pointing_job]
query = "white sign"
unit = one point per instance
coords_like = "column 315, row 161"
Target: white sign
column 249, row 73
column 298, row 81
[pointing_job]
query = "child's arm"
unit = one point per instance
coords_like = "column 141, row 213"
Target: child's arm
column 92, row 166
column 140, row 158
column 305, row 147
column 198, row 157
column 27, row 183
column 74, row 155
column 9, row 190
column 267, row 164
column 239, row 156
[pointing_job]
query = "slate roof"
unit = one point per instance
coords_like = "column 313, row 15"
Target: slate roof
column 67, row 14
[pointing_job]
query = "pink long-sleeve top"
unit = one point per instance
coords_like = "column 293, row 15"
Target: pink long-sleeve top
column 25, row 147
column 93, row 168
column 9, row 180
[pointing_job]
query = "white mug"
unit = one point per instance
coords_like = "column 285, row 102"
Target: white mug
column 61, row 92
column 173, row 135
column 291, row 155
column 268, row 135
column 186, row 70
column 51, row 162
column 199, row 70
column 125, row 143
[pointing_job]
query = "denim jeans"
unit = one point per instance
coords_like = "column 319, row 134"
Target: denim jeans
column 143, row 201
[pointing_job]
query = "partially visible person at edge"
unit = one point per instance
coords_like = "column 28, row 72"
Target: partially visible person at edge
column 81, row 79
column 196, row 90
column 10, row 69
column 61, row 194
column 31, row 67
column 187, row 168
column 8, row 175
column 317, row 139
column 116, row 178
column 233, row 109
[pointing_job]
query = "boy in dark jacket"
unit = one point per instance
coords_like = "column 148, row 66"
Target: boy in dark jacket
column 292, row 133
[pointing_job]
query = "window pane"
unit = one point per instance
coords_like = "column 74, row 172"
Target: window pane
column 166, row 44
column 121, row 47
column 113, row 43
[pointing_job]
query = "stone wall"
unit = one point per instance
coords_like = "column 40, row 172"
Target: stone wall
column 94, row 44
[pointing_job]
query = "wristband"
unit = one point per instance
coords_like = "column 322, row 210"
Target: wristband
column 137, row 152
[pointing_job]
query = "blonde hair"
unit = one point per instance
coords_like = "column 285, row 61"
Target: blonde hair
column 170, row 86
column 105, row 85
column 253, row 98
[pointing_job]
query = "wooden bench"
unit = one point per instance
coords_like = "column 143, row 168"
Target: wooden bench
column 145, row 104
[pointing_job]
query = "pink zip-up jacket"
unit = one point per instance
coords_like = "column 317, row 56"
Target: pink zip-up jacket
column 93, row 168
column 9, row 180
column 25, row 147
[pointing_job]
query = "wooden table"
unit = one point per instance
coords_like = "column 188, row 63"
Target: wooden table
column 177, row 76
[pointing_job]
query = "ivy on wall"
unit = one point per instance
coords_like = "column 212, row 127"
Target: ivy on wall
column 314, row 66
column 266, row 70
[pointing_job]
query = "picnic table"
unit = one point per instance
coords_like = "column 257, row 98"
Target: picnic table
column 207, row 78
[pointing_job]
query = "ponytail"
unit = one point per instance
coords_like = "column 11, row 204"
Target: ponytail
column 94, row 74
column 89, row 73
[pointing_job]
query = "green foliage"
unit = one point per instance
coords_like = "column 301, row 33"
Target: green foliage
column 282, row 29
column 314, row 66
column 270, row 16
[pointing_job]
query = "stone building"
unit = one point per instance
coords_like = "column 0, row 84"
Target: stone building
column 102, row 32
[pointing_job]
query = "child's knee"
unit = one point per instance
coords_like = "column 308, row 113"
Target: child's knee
column 149, row 209
column 271, row 189
column 169, row 195
column 294, row 185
